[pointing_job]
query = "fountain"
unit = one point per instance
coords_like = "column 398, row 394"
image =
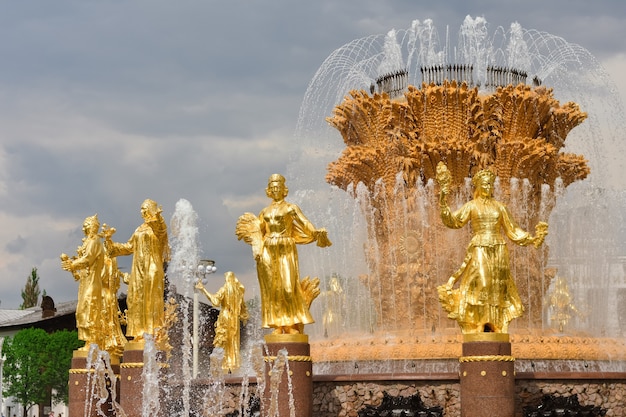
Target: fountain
column 517, row 102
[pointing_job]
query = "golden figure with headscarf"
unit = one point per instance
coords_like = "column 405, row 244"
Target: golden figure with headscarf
column 561, row 304
column 115, row 340
column 87, row 268
column 233, row 310
column 334, row 303
column 274, row 234
column 150, row 249
column 487, row 298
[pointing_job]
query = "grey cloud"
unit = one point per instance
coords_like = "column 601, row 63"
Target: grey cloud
column 104, row 104
column 16, row 245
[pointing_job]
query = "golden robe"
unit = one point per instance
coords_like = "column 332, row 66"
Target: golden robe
column 89, row 308
column 282, row 303
column 230, row 298
column 487, row 295
column 115, row 340
column 146, row 307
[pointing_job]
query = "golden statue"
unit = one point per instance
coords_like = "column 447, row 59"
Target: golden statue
column 150, row 249
column 115, row 341
column 487, row 298
column 392, row 147
column 561, row 304
column 334, row 299
column 233, row 310
column 87, row 268
column 273, row 235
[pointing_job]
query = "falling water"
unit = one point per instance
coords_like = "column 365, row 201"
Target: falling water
column 181, row 273
column 185, row 248
column 182, row 276
column 92, row 382
column 214, row 395
column 279, row 367
column 151, row 405
column 101, row 388
column 586, row 235
column 255, row 365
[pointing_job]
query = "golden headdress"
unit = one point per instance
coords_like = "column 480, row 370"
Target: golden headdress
column 276, row 178
column 92, row 220
column 483, row 175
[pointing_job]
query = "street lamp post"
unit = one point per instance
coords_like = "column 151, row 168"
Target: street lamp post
column 205, row 267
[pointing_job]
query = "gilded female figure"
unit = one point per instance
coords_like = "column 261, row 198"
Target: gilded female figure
column 487, row 298
column 87, row 268
column 115, row 341
column 273, row 236
column 150, row 249
column 229, row 298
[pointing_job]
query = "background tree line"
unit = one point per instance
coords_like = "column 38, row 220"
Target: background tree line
column 36, row 369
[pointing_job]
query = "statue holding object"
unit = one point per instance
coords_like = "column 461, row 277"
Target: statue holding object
column 233, row 310
column 486, row 299
column 87, row 268
column 150, row 249
column 273, row 235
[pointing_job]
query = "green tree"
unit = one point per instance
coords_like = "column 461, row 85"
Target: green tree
column 24, row 365
column 38, row 363
column 62, row 345
column 31, row 292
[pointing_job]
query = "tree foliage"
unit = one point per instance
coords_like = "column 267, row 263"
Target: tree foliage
column 36, row 363
column 61, row 347
column 31, row 292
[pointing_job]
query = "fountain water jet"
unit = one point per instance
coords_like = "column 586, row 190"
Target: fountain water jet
column 184, row 259
column 205, row 392
column 213, row 404
column 150, row 376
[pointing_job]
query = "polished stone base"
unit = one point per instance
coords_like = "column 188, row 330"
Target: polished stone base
column 294, row 389
column 82, row 402
column 487, row 376
column 131, row 383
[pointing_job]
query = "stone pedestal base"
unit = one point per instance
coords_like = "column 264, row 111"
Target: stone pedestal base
column 137, row 377
column 487, row 376
column 295, row 387
column 82, row 388
column 131, row 384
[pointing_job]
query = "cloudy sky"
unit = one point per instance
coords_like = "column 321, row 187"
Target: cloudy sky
column 106, row 103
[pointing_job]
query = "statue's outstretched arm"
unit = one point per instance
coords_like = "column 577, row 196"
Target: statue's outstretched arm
column 212, row 298
column 518, row 235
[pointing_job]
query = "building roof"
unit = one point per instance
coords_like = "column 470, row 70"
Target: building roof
column 63, row 318
column 33, row 314
column 9, row 316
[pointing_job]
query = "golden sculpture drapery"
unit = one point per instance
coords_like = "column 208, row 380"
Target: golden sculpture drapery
column 487, row 298
column 230, row 298
column 87, row 268
column 150, row 249
column 334, row 303
column 274, row 235
column 561, row 304
column 115, row 341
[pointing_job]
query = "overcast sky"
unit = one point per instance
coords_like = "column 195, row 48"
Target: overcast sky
column 104, row 103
